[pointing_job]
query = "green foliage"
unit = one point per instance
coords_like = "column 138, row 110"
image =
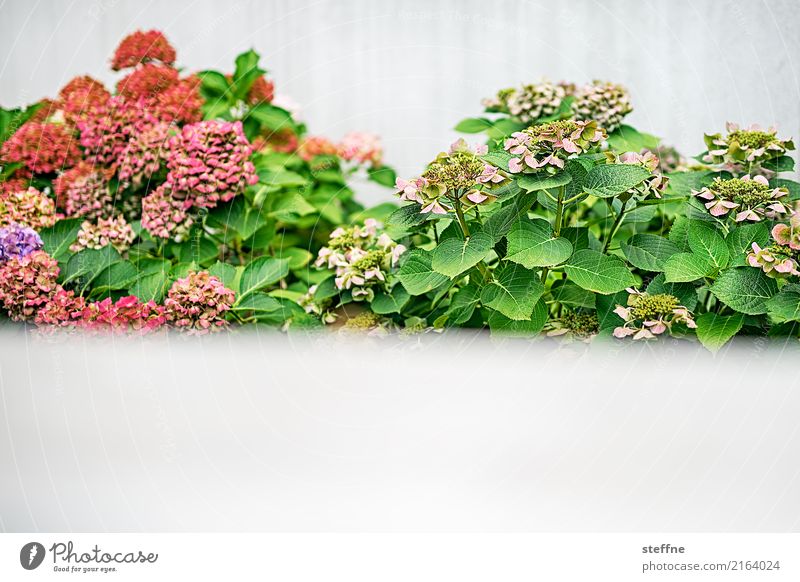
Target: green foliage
column 594, row 271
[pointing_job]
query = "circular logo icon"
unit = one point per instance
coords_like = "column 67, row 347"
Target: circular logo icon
column 31, row 555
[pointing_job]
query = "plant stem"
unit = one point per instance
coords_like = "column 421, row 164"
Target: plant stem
column 557, row 223
column 465, row 229
column 615, row 227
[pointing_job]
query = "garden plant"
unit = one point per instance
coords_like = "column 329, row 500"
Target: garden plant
column 198, row 202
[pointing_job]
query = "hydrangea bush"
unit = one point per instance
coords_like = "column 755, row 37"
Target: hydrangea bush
column 200, row 202
column 183, row 200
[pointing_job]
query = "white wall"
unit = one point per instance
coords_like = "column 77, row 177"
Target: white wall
column 411, row 69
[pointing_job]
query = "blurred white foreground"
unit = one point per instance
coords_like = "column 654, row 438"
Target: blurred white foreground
column 440, row 433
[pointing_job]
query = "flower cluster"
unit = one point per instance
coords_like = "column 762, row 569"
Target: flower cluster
column 779, row 260
column 655, row 184
column 367, row 322
column 147, row 81
column 669, row 159
column 143, row 47
column 181, row 102
column 745, row 150
column 27, row 283
column 198, row 303
column 80, row 97
column 574, row 325
column 547, row 145
column 166, row 217
column 602, row 102
column 18, row 241
column 531, row 102
column 83, row 191
column 459, row 175
column 209, row 162
column 649, row 315
column 314, row 146
column 123, row 315
column 43, row 148
column 261, row 91
column 106, row 231
column 360, row 148
column 28, row 208
column 752, row 198
column 361, row 258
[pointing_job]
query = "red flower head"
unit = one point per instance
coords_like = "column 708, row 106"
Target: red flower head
column 181, row 102
column 47, row 107
column 42, row 147
column 28, row 208
column 143, row 47
column 261, row 91
column 147, row 81
column 82, row 95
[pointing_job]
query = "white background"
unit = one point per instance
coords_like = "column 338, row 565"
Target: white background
column 411, row 69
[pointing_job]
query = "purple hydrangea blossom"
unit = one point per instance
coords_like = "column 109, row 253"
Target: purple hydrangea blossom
column 17, row 241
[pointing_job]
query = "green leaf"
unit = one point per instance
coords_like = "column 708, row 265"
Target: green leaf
column 533, row 182
column 383, row 175
column 260, row 273
column 473, row 125
column 501, row 221
column 417, row 275
column 83, row 266
column 227, row 273
column 571, row 295
column 513, row 292
column 504, row 326
column 288, row 204
column 679, row 233
column 594, row 271
column 117, row 275
column 386, row 303
column 648, row 251
column 781, row 164
column 682, row 183
column 454, row 256
column 687, row 267
column 258, row 303
column 498, row 158
column 706, row 242
column 246, row 73
column 297, row 257
column 271, row 117
column 611, row 180
column 745, row 289
column 462, row 305
column 740, row 240
column 407, row 216
column 150, row 287
column 627, row 139
column 531, row 244
column 197, row 249
column 213, row 85
column 714, row 330
column 58, row 238
column 785, row 306
column 685, row 292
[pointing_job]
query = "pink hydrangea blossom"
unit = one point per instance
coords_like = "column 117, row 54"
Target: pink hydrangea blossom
column 27, row 207
column 27, row 283
column 43, row 148
column 198, row 303
column 361, row 148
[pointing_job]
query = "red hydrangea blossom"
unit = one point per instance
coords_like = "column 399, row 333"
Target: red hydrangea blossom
column 142, row 47
column 27, row 283
column 209, row 162
column 198, row 303
column 316, row 146
column 83, row 191
column 283, row 141
column 127, row 313
column 261, row 91
column 45, row 108
column 180, row 103
column 144, row 153
column 147, row 81
column 61, row 310
column 81, row 96
column 42, row 147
